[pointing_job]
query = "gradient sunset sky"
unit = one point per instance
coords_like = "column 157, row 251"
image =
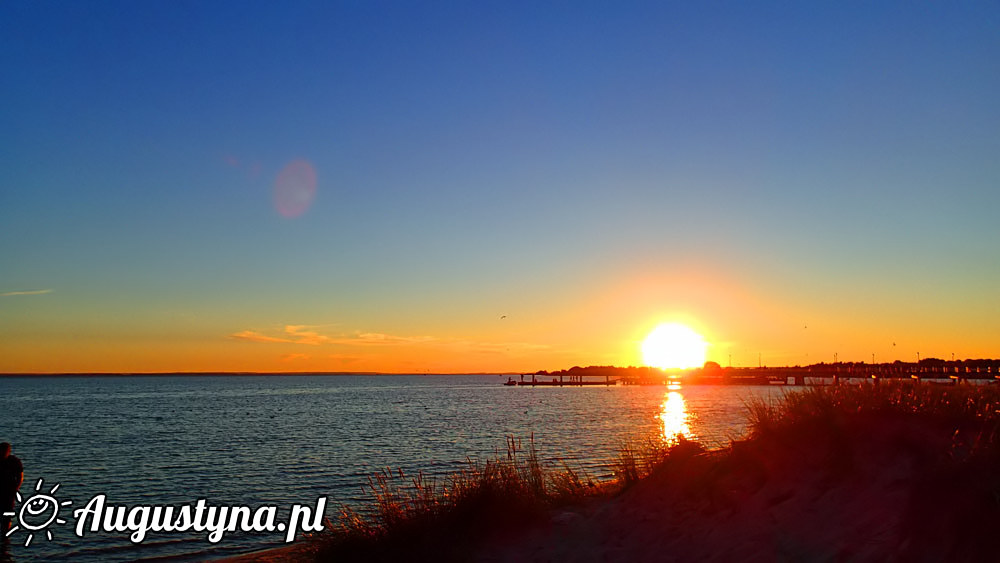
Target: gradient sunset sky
column 499, row 186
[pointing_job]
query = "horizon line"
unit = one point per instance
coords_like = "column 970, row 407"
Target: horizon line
column 497, row 373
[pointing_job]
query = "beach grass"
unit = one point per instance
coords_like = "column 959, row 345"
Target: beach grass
column 921, row 461
column 967, row 415
column 482, row 503
column 414, row 514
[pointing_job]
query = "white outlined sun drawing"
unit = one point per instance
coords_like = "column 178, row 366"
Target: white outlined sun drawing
column 38, row 512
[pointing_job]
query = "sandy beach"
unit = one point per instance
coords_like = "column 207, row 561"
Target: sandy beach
column 887, row 491
column 772, row 506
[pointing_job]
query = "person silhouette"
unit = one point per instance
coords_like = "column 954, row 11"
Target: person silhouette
column 11, row 475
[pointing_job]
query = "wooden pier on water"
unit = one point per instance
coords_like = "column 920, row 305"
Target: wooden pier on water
column 937, row 372
column 608, row 381
column 564, row 381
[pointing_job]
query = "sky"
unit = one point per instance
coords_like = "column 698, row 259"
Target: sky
column 495, row 186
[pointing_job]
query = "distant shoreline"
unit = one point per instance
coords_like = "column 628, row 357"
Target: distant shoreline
column 927, row 367
column 244, row 373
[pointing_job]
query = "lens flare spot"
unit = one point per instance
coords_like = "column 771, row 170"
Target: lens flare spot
column 295, row 188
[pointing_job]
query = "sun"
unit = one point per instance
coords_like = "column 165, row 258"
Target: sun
column 674, row 346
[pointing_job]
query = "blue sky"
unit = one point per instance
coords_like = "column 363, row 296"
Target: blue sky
column 835, row 162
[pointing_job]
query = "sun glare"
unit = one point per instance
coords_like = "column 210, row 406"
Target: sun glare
column 674, row 346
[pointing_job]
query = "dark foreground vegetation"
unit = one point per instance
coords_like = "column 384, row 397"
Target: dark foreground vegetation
column 897, row 471
column 449, row 521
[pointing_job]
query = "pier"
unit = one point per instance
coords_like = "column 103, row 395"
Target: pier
column 563, row 381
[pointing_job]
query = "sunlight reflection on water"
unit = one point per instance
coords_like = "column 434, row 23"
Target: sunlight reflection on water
column 674, row 415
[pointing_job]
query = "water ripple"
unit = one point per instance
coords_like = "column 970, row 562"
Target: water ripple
column 288, row 439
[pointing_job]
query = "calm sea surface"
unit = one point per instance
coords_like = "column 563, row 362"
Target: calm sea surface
column 255, row 440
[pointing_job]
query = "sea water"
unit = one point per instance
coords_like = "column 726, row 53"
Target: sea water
column 291, row 439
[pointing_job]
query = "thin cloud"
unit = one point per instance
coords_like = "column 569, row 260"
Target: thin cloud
column 303, row 336
column 30, row 292
column 293, row 334
column 256, row 337
column 380, row 339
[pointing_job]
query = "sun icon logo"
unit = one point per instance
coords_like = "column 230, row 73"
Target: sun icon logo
column 38, row 512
